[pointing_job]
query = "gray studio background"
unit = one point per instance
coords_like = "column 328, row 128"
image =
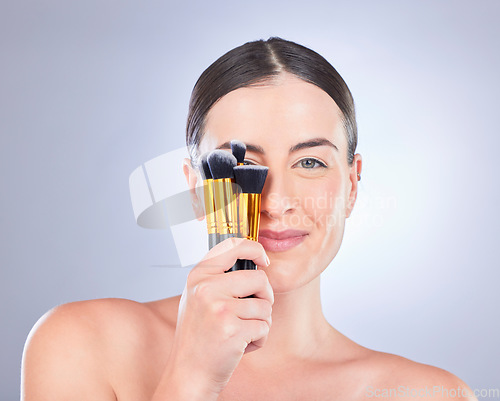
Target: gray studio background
column 91, row 90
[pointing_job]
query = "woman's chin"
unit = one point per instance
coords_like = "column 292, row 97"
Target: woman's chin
column 285, row 276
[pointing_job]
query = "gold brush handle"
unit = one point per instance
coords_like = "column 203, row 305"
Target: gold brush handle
column 208, row 192
column 225, row 206
column 249, row 221
column 249, row 209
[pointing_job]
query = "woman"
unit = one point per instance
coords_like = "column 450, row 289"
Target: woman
column 296, row 115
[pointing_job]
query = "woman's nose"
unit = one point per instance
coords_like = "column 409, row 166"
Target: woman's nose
column 277, row 198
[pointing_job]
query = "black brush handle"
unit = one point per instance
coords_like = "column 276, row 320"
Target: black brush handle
column 243, row 264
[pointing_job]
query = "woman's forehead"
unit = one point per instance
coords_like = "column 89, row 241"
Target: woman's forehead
column 291, row 111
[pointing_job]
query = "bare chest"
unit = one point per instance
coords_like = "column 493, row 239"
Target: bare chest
column 305, row 383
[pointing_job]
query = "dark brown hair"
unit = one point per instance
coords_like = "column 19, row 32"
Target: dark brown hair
column 258, row 63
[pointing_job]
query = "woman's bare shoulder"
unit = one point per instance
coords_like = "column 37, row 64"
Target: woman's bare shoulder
column 84, row 339
column 395, row 375
column 98, row 315
column 107, row 318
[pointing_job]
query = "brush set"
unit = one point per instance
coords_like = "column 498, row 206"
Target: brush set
column 232, row 196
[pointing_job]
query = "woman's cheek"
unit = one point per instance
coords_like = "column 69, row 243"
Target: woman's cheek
column 324, row 202
column 321, row 200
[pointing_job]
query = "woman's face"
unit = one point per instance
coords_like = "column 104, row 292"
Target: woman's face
column 295, row 129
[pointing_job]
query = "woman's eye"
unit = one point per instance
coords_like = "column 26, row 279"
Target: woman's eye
column 310, row 163
column 248, row 162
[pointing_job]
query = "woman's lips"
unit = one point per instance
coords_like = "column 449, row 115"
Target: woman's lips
column 279, row 241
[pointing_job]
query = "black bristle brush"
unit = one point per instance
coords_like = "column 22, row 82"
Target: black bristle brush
column 208, row 192
column 205, row 168
column 251, row 180
column 221, row 165
column 238, row 149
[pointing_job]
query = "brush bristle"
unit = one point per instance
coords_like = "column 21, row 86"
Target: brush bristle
column 239, row 149
column 251, row 178
column 221, row 164
column 205, row 169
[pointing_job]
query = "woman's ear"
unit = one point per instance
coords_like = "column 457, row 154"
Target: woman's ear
column 192, row 177
column 354, row 178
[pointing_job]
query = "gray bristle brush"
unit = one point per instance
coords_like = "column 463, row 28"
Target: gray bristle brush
column 250, row 178
column 205, row 169
column 238, row 149
column 221, row 164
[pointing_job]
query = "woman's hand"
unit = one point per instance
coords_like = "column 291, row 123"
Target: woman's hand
column 216, row 324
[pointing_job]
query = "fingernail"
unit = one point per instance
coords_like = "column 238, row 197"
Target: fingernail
column 268, row 261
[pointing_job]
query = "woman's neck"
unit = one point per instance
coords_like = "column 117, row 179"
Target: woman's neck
column 299, row 329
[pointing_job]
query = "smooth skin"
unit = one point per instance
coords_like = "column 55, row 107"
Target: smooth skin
column 211, row 343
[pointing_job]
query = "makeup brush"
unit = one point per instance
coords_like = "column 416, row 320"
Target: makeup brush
column 208, row 192
column 251, row 179
column 205, row 168
column 221, row 165
column 238, row 149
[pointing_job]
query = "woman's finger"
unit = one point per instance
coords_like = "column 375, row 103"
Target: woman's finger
column 252, row 309
column 223, row 255
column 241, row 283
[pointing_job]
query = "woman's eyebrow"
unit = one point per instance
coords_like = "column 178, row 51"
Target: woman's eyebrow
column 250, row 147
column 301, row 145
column 312, row 143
